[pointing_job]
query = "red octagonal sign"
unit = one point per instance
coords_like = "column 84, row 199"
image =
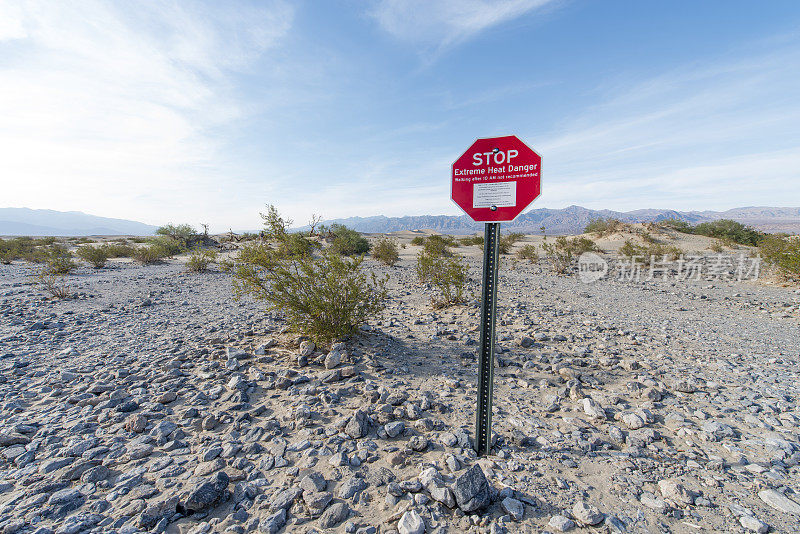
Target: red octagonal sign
column 496, row 179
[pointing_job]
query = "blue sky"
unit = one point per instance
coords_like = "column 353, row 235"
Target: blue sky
column 203, row 112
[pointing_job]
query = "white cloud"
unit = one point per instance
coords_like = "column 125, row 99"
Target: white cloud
column 105, row 104
column 700, row 137
column 436, row 25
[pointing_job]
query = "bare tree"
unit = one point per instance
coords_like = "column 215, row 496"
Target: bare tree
column 205, row 230
column 315, row 220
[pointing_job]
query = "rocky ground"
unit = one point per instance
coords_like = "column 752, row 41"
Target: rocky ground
column 153, row 401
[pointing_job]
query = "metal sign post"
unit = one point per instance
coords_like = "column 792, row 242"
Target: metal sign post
column 493, row 182
column 483, row 418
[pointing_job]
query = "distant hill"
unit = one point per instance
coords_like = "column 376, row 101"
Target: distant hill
column 25, row 221
column 573, row 220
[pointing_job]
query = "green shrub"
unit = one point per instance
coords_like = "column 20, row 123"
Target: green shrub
column 472, row 240
column 183, row 234
column 528, row 252
column 97, row 256
column 579, row 245
column 200, row 259
column 448, row 274
column 118, row 250
column 732, row 230
column 560, row 253
column 347, row 242
column 602, row 227
column 676, row 224
column 437, row 245
column 783, row 252
column 418, row 240
column 148, row 254
column 385, row 251
column 507, row 241
column 29, row 249
column 324, row 297
column 139, row 240
column 167, row 247
column 653, row 251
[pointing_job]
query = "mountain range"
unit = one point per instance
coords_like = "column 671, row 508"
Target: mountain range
column 573, row 220
column 26, row 221
column 570, row 220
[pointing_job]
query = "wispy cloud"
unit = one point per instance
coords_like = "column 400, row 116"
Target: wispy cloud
column 436, row 25
column 701, row 136
column 108, row 102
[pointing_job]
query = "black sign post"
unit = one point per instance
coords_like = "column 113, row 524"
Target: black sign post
column 483, row 423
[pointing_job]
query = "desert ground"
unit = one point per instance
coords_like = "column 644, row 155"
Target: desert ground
column 154, row 401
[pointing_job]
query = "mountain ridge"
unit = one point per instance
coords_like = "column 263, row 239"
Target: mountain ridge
column 43, row 222
column 573, row 219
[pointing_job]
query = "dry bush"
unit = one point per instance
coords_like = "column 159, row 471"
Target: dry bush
column 385, row 251
column 447, row 273
column 472, row 240
column 200, row 259
column 148, row 254
column 560, row 253
column 97, row 256
column 51, row 283
column 528, row 252
column 782, row 252
column 602, row 227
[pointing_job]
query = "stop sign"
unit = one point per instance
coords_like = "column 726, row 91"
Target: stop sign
column 496, row 179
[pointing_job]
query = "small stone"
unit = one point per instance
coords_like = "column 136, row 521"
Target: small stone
column 167, row 397
column 753, row 524
column 313, row 482
column 633, row 421
column 675, row 492
column 514, row 508
column 135, row 423
column 779, row 501
column 418, row 443
column 272, row 524
column 207, row 493
column 358, row 425
column 209, row 422
column 411, row 523
column 471, row 489
column 332, row 359
column 586, row 513
column 593, row 409
column 351, row 486
column 335, row 514
column 394, row 429
column 560, row 523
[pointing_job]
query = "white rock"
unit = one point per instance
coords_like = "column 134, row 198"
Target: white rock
column 593, row 409
column 752, row 524
column 633, row 421
column 411, row 523
column 779, row 501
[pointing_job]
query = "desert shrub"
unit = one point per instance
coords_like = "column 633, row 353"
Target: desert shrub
column 732, row 230
column 716, row 246
column 505, row 242
column 418, row 240
column 385, row 251
column 579, row 245
column 653, row 251
column 347, row 241
column 200, row 259
column 560, row 253
column 437, row 245
column 138, row 240
column 783, row 252
column 167, row 247
column 676, row 224
column 325, row 297
column 59, row 260
column 448, row 274
column 52, row 283
column 603, row 226
column 148, row 254
column 97, row 256
column 29, row 249
column 118, row 250
column 472, row 240
column 528, row 252
column 183, row 234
